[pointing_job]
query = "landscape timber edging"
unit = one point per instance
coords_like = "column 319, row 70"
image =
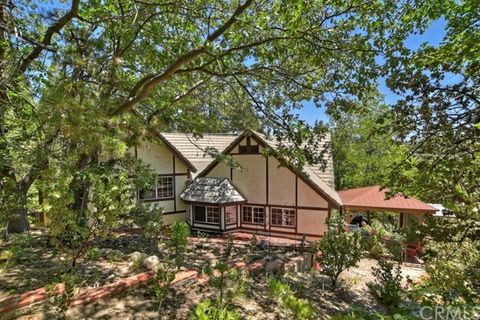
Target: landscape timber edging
column 297, row 264
column 93, row 294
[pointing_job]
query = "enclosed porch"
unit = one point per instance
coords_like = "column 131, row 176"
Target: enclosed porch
column 213, row 204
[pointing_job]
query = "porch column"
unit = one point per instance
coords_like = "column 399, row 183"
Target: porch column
column 222, row 218
column 402, row 220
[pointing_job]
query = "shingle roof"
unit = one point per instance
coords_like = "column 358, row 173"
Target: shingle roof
column 212, row 190
column 326, row 174
column 192, row 148
column 373, row 197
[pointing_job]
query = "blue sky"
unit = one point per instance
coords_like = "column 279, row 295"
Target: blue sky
column 433, row 35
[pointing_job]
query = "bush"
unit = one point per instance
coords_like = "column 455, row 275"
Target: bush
column 161, row 285
column 93, row 254
column 138, row 264
column 298, row 308
column 340, row 250
column 149, row 218
column 387, row 288
column 179, row 241
column 208, row 310
column 454, row 272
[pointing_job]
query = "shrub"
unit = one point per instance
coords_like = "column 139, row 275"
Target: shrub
column 179, row 241
column 161, row 285
column 93, row 254
column 227, row 280
column 454, row 274
column 253, row 247
column 387, row 288
column 149, row 218
column 340, row 250
column 208, row 310
column 62, row 301
column 138, row 264
column 298, row 308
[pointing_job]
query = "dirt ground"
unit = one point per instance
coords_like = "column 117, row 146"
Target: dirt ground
column 139, row 303
column 41, row 264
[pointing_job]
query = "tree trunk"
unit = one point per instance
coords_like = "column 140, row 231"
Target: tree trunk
column 19, row 223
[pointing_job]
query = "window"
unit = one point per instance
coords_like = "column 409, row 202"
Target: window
column 207, row 214
column 199, row 214
column 248, row 149
column 163, row 189
column 251, row 214
column 231, row 215
column 283, row 217
column 213, row 215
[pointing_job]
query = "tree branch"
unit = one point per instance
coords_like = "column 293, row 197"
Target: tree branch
column 141, row 92
column 47, row 38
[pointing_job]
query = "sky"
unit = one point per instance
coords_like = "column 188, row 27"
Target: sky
column 433, row 36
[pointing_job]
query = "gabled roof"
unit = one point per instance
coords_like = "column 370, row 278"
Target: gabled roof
column 191, row 149
column 212, row 190
column 374, row 198
column 309, row 175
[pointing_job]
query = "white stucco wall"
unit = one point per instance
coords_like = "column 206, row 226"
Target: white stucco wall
column 307, row 197
column 281, row 184
column 251, row 180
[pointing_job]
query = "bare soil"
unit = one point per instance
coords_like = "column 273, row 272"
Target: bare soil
column 44, row 265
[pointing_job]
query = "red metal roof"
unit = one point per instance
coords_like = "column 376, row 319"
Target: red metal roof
column 373, row 198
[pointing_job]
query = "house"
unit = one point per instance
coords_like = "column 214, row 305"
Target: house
column 265, row 195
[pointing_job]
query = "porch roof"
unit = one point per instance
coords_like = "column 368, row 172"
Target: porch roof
column 212, row 190
column 374, row 198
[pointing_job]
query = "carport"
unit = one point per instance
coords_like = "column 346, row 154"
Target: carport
column 374, row 198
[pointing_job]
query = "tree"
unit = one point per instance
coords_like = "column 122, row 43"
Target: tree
column 362, row 149
column 110, row 75
column 339, row 250
column 438, row 119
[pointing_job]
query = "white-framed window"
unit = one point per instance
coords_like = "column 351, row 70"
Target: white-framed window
column 163, row 189
column 207, row 214
column 282, row 217
column 253, row 214
column 231, row 215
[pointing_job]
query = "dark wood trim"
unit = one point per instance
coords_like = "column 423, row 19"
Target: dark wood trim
column 264, row 145
column 215, row 204
column 296, row 203
column 312, row 208
column 158, row 200
column 208, row 223
column 266, row 174
column 249, row 142
column 174, row 187
column 174, row 212
column 231, row 174
column 286, row 206
column 398, row 210
column 172, row 174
